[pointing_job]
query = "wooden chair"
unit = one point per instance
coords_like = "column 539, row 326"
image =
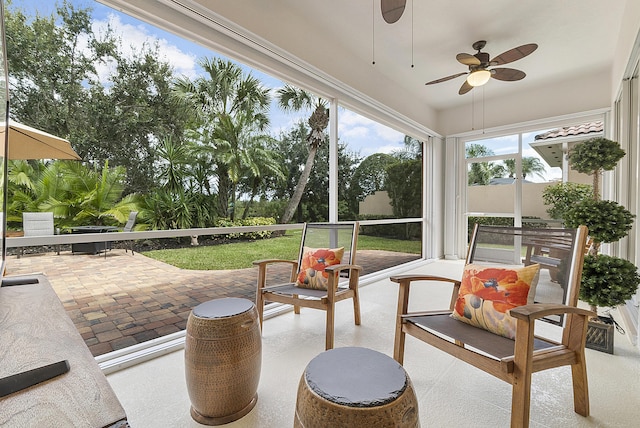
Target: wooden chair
column 512, row 360
column 317, row 236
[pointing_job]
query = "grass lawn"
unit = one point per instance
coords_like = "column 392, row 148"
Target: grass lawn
column 239, row 255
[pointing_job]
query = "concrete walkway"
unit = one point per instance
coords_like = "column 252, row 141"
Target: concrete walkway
column 125, row 299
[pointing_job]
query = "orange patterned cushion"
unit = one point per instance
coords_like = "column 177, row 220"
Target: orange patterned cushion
column 314, row 260
column 488, row 293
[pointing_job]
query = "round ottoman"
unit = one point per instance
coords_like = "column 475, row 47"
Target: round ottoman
column 355, row 387
column 223, row 356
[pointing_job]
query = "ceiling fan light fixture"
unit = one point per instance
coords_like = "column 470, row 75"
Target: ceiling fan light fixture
column 479, row 77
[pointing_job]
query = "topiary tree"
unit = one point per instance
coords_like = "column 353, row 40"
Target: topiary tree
column 606, row 280
column 594, row 156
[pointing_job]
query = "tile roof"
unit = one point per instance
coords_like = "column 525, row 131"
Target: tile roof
column 582, row 129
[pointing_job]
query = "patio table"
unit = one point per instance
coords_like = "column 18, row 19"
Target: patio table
column 91, row 247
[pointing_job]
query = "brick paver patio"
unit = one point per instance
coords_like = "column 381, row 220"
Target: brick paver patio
column 125, row 299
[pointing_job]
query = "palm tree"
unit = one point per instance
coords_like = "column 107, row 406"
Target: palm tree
column 230, row 110
column 531, row 165
column 241, row 148
column 480, row 172
column 295, row 99
column 172, row 169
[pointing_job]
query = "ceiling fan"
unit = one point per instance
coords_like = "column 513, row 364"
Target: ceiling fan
column 479, row 63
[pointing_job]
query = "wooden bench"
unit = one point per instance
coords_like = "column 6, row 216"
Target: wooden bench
column 512, row 360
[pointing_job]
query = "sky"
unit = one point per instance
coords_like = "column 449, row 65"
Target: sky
column 362, row 135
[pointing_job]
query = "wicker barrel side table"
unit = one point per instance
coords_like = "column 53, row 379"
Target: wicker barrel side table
column 223, row 357
column 355, row 387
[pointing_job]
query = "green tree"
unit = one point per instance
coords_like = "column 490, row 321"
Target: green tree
column 295, row 99
column 133, row 116
column 55, row 86
column 531, row 165
column 231, row 110
column 481, row 172
column 370, row 176
column 594, row 156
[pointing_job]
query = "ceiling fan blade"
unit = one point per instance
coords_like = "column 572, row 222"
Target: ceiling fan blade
column 466, row 87
column 507, row 74
column 467, row 59
column 392, row 10
column 444, row 79
column 514, row 54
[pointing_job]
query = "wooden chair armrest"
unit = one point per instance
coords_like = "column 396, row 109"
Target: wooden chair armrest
column 411, row 278
column 262, row 269
column 405, row 286
column 271, row 261
column 539, row 310
column 344, row 266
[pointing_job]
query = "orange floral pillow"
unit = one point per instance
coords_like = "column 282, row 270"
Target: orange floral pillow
column 488, row 293
column 314, row 261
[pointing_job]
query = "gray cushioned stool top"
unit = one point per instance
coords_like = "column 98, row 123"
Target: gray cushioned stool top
column 356, row 377
column 222, row 308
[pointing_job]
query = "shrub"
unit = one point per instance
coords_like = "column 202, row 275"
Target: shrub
column 252, row 221
column 563, row 196
column 608, row 281
column 607, row 220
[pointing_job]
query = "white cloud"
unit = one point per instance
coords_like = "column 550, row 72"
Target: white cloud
column 133, row 37
column 366, row 136
column 355, row 132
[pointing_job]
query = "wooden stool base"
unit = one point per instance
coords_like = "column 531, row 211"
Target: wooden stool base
column 355, row 388
column 206, row 420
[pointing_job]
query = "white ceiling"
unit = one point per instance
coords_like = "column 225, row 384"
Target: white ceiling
column 339, row 38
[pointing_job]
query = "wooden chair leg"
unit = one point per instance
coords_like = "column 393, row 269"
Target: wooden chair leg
column 403, row 305
column 522, row 371
column 356, row 307
column 296, row 308
column 260, row 305
column 576, row 338
column 330, row 325
column 521, row 401
column 580, row 387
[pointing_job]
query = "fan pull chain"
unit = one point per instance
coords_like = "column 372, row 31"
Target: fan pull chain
column 473, row 111
column 482, row 109
column 373, row 33
column 412, row 1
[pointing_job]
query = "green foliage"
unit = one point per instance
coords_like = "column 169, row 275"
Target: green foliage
column 595, row 154
column 55, row 86
column 253, row 221
column 76, row 194
column 370, row 176
column 231, row 117
column 530, row 166
column 607, row 220
column 481, row 172
column 608, row 281
column 405, row 188
column 563, row 196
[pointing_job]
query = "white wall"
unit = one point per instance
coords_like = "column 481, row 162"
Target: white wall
column 377, row 204
column 629, row 34
column 590, row 92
